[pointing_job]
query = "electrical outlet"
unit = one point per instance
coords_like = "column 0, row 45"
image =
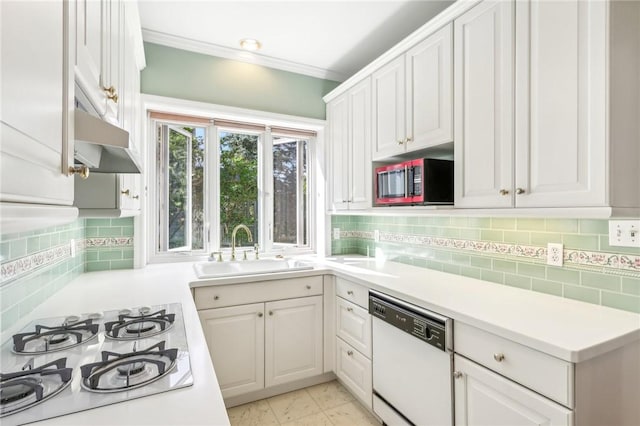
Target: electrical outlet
column 624, row 233
column 554, row 254
column 72, row 247
column 336, row 233
column 376, row 235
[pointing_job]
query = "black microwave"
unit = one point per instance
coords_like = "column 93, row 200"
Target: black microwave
column 426, row 181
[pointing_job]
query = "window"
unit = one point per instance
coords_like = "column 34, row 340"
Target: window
column 212, row 178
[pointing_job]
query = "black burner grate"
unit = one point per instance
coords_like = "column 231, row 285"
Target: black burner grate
column 56, row 338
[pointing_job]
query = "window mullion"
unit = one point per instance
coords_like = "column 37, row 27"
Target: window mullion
column 212, row 170
column 266, row 216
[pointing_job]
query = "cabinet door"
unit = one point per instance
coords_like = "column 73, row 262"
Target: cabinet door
column 483, row 397
column 293, row 340
column 359, row 168
column 90, row 58
column 561, row 111
column 129, row 191
column 338, row 171
column 388, row 109
column 483, row 79
column 113, row 51
column 353, row 325
column 430, row 91
column 235, row 337
column 354, row 370
column 36, row 124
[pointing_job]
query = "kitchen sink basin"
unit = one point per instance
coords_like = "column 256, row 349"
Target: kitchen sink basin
column 248, row 267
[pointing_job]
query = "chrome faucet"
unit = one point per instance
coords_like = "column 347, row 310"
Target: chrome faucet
column 233, row 238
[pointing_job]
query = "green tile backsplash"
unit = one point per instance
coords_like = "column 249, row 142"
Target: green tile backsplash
column 36, row 264
column 407, row 241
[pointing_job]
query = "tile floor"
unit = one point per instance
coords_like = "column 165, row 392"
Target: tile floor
column 326, row 404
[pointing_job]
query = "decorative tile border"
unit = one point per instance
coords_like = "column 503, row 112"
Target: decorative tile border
column 619, row 262
column 26, row 264
column 109, row 242
column 19, row 267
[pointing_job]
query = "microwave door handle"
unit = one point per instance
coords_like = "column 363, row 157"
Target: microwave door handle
column 406, row 182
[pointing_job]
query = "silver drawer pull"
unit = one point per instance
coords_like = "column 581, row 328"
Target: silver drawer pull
column 498, row 357
column 308, row 287
column 350, row 353
column 270, row 312
column 350, row 292
column 216, row 297
column 260, row 314
column 457, row 374
column 349, row 309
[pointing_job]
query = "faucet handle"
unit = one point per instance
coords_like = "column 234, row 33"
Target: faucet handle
column 244, row 254
column 256, row 249
column 216, row 253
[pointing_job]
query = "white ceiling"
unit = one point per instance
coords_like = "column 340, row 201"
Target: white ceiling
column 327, row 39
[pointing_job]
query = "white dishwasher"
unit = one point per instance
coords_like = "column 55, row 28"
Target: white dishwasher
column 412, row 363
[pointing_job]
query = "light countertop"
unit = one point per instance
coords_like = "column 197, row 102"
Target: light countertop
column 571, row 330
column 200, row 404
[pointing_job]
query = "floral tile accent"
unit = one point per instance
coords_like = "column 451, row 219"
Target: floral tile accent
column 21, row 266
column 109, row 242
column 26, row 264
column 624, row 263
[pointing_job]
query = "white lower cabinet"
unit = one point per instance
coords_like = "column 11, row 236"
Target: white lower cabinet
column 255, row 346
column 235, row 337
column 354, row 370
column 483, row 397
column 293, row 340
column 353, row 340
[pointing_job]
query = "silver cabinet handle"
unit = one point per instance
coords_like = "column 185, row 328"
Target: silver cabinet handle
column 520, row 191
column 271, row 313
column 400, row 142
column 260, row 314
column 350, row 292
column 349, row 309
column 504, row 192
column 350, row 353
column 216, row 297
column 498, row 357
column 308, row 287
column 457, row 374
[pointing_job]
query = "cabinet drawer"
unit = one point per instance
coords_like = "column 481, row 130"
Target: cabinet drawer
column 353, row 325
column 353, row 292
column 536, row 370
column 354, row 370
column 263, row 291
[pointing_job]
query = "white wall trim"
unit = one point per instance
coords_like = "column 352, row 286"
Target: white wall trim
column 204, row 109
column 238, row 55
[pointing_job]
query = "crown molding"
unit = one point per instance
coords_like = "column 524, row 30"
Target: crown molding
column 211, row 49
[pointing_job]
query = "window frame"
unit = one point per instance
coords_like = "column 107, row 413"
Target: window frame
column 211, row 184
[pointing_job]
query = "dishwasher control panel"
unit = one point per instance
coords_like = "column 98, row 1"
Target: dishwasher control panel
column 420, row 323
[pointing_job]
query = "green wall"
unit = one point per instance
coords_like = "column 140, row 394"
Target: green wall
column 36, row 264
column 193, row 76
column 506, row 251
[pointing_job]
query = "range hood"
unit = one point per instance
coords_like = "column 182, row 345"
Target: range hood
column 102, row 146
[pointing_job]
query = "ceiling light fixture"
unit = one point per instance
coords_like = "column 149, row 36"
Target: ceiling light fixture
column 250, row 44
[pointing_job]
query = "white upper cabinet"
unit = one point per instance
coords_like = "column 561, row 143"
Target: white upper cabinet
column 37, row 103
column 546, row 105
column 412, row 98
column 93, row 45
column 561, row 142
column 389, row 109
column 350, row 148
column 429, row 113
column 484, row 106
